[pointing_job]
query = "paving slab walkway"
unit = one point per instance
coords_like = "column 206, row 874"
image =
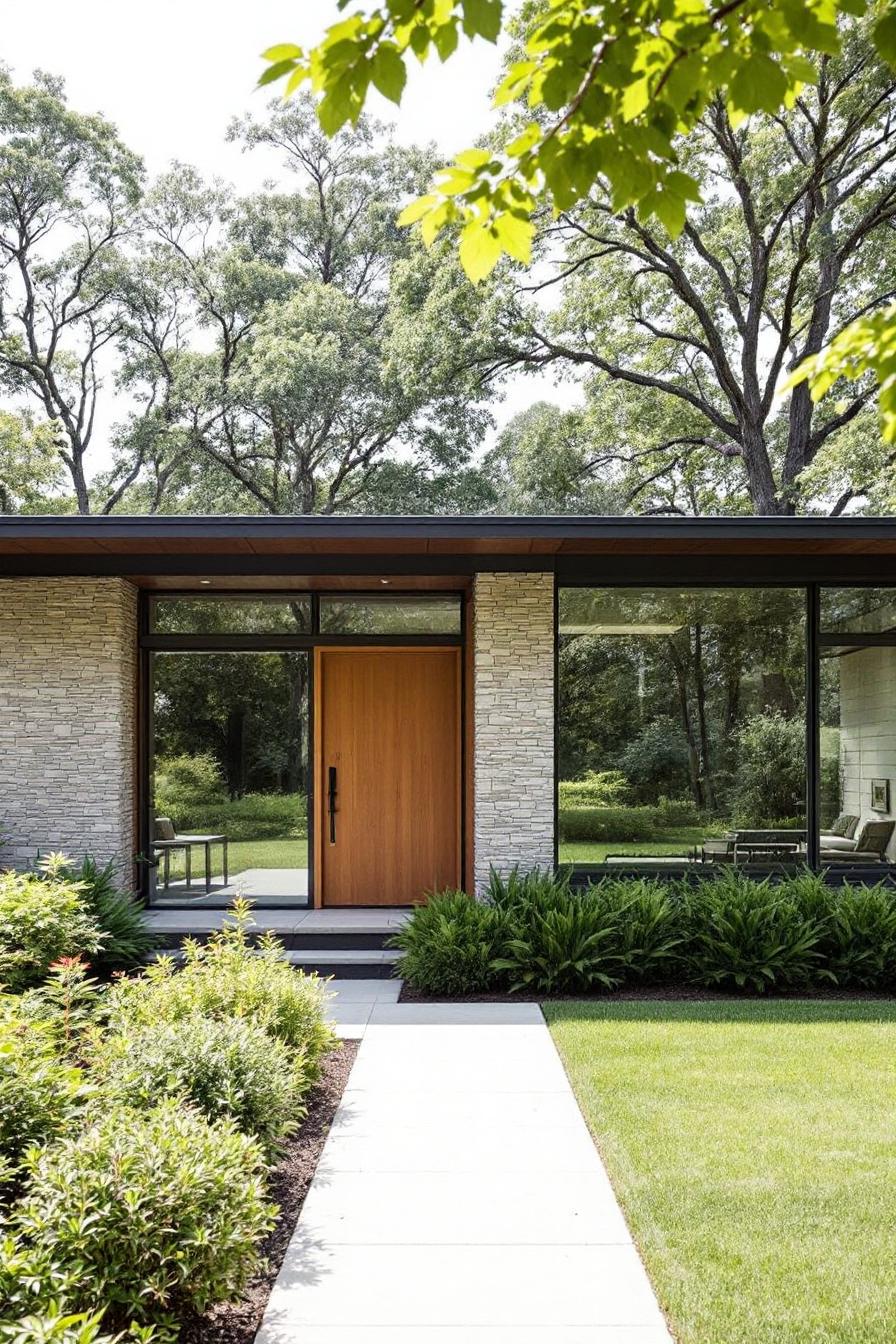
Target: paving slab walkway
column 459, row 1198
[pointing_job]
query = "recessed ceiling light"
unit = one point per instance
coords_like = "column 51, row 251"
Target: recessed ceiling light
column 385, row 580
column 205, row 582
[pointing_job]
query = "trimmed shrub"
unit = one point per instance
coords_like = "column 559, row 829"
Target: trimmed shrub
column 742, row 934
column 607, row 824
column 126, row 936
column 562, row 949
column 858, row 941
column 597, row 788
column 227, row 1067
column 183, row 782
column 647, row 922
column 255, row 816
column 149, row 1215
column 40, row 1094
column 674, row 812
column 448, row 945
column 42, row 918
column 225, row 977
column 518, row 894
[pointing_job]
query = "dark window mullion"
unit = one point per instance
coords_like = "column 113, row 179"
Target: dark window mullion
column 813, row 728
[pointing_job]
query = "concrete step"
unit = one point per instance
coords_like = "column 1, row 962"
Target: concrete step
column 347, row 963
column 371, row 940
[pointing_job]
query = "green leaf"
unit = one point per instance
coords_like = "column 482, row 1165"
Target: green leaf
column 387, row 72
column 343, row 100
column 885, row 36
column 514, row 83
column 296, row 78
column 670, row 210
column 275, row 72
column 480, row 249
column 282, row 51
column 635, row 99
column 473, row 158
column 416, row 210
column 759, row 85
column 445, row 39
column 515, row 235
column 482, row 18
column 525, row 141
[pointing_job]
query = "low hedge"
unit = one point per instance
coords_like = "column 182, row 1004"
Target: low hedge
column 606, row 824
column 535, row 933
column 255, row 816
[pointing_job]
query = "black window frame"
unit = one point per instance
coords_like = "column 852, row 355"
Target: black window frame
column 815, row 641
column 151, row 642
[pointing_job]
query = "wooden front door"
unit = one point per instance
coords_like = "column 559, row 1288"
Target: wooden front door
column 387, row 811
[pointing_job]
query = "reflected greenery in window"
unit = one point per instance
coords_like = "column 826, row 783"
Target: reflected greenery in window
column 390, row 615
column 681, row 733
column 858, row 611
column 231, row 758
column 231, row 615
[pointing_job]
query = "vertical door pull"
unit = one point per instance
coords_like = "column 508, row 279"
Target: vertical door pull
column 331, row 800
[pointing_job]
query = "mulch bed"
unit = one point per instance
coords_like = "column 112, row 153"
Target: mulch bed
column 238, row 1322
column 684, row 993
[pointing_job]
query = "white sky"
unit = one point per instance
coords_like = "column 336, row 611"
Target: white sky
column 171, row 74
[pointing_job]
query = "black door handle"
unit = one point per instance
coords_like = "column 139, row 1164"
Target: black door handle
column 331, row 798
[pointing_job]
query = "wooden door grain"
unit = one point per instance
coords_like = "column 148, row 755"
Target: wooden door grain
column 388, row 722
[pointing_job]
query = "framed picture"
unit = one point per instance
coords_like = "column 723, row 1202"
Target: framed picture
column 880, row 795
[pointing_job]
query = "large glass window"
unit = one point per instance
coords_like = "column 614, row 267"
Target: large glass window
column 390, row 615
column 681, row 729
column 230, row 752
column 867, row 611
column 231, row 615
column 858, row 726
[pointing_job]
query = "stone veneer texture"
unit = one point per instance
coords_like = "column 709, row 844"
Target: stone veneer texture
column 68, row 690
column 513, row 673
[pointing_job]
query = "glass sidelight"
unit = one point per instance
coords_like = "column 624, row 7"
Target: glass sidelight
column 857, row 739
column 230, row 735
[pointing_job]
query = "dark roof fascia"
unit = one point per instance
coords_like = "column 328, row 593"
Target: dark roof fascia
column 107, row 529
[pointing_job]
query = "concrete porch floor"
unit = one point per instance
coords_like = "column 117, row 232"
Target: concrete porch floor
column 268, row 886
column 373, row 920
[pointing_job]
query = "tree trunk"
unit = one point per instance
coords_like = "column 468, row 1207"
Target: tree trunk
column 681, row 682
column 235, row 752
column 761, row 479
column 706, row 766
column 296, row 765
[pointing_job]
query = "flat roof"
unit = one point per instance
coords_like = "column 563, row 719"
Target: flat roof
column 143, row 545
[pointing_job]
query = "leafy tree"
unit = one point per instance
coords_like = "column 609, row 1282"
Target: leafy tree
column 546, row 461
column 30, row 469
column 688, row 339
column 68, row 191
column 605, row 90
column 609, row 85
column 337, row 340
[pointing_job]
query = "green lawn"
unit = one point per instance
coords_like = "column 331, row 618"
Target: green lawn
column 753, row 1147
column 243, row 854
column 677, row 842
